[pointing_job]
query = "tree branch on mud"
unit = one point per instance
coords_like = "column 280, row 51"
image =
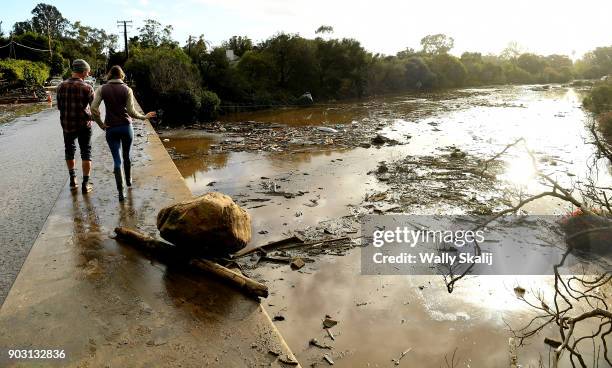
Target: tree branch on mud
column 576, row 299
column 556, row 191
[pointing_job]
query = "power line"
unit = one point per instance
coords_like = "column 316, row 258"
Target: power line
column 28, row 47
column 12, row 52
column 125, row 24
column 11, row 43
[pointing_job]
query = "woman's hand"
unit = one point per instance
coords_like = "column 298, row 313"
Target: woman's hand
column 151, row 114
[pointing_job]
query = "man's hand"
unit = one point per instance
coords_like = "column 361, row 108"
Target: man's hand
column 151, row 114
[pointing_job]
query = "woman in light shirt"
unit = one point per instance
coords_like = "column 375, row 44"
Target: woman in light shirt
column 120, row 108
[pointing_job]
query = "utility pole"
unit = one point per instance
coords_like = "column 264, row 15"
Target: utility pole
column 189, row 46
column 12, row 48
column 125, row 24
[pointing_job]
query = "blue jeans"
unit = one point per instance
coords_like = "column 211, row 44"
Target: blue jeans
column 119, row 139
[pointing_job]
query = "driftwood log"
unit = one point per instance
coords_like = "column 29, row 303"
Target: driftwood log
column 169, row 253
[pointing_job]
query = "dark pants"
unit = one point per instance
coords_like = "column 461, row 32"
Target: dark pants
column 119, row 139
column 83, row 135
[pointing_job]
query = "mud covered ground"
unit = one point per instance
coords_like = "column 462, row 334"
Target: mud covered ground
column 308, row 175
column 11, row 111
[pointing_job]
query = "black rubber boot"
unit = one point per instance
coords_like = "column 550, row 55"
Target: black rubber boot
column 127, row 169
column 119, row 181
column 73, row 183
column 86, row 188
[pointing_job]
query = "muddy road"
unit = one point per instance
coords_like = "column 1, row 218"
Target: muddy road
column 313, row 171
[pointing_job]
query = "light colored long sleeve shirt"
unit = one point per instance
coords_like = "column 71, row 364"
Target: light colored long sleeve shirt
column 130, row 106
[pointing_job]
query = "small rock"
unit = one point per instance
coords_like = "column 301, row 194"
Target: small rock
column 297, row 263
column 329, row 323
column 458, row 154
column 327, row 130
column 315, row 342
column 288, row 360
column 382, row 168
column 379, row 139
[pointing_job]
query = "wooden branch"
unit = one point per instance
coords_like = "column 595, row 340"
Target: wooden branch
column 169, row 253
column 141, row 239
column 268, row 246
column 238, row 280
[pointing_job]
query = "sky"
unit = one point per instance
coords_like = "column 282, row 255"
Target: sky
column 384, row 26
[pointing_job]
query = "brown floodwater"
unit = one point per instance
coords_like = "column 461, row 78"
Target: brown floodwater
column 383, row 316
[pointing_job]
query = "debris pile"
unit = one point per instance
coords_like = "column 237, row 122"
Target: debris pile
column 454, row 179
column 23, row 95
column 269, row 137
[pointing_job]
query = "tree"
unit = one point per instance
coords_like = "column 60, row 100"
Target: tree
column 92, row 44
column 473, row 65
column 48, row 20
column 342, row 67
column 196, row 50
column 532, row 63
column 324, row 29
column 20, row 28
column 512, row 51
column 417, row 74
column 595, row 64
column 437, row 44
column 406, row 53
column 153, row 34
column 166, row 78
column 239, row 45
column 448, row 69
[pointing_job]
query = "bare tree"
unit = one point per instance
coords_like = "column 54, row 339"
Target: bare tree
column 577, row 300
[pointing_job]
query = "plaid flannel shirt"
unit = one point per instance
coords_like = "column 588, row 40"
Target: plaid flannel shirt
column 73, row 99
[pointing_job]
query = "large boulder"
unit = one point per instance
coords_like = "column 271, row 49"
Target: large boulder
column 211, row 224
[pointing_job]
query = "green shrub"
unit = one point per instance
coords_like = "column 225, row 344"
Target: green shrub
column 180, row 107
column 209, row 105
column 58, row 65
column 599, row 99
column 24, row 72
column 166, row 79
column 604, row 121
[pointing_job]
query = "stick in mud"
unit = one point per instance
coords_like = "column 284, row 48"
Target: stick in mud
column 277, row 243
column 169, row 253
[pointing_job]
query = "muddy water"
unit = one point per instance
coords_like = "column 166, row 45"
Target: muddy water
column 381, row 317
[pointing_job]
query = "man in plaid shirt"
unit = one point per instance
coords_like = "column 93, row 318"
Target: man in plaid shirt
column 73, row 99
